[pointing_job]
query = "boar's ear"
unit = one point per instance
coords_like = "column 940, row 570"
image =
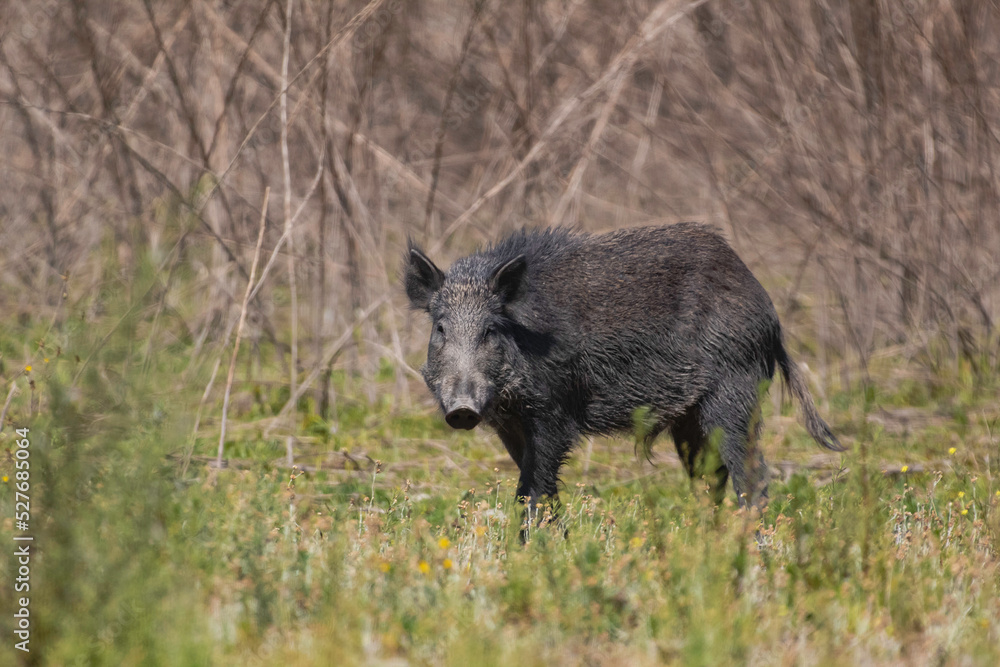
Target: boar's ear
column 422, row 279
column 508, row 279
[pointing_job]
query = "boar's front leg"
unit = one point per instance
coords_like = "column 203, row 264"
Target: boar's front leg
column 511, row 434
column 546, row 445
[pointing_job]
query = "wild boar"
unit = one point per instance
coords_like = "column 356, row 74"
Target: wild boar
column 551, row 335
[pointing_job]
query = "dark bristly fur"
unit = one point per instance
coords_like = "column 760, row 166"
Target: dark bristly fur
column 551, row 335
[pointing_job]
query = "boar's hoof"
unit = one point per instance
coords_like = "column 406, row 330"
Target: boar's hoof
column 463, row 417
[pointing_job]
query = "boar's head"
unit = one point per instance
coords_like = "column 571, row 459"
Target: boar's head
column 471, row 331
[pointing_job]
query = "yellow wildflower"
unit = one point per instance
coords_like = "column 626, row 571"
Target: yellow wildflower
column 423, row 567
column 952, row 450
column 961, row 494
column 964, row 512
column 384, row 566
column 904, row 468
column 447, row 564
column 444, row 543
column 27, row 369
column 480, row 531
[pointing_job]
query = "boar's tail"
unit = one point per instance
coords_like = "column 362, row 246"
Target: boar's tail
column 817, row 428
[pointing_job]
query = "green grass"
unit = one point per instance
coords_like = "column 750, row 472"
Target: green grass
column 140, row 561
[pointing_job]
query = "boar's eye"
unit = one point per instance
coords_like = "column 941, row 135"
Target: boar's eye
column 491, row 330
column 439, row 330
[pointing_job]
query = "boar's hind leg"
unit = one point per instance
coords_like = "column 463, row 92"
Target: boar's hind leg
column 732, row 414
column 691, row 443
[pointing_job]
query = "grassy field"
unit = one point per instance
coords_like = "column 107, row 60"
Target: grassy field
column 173, row 168
column 396, row 542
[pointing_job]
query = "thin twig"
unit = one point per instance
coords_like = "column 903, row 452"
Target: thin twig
column 284, row 233
column 6, row 405
column 239, row 327
column 197, row 417
column 287, row 172
column 449, row 94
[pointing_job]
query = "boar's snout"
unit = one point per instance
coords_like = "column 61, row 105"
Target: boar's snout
column 463, row 417
column 465, row 399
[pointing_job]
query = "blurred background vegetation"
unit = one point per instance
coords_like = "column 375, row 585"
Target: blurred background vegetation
column 847, row 149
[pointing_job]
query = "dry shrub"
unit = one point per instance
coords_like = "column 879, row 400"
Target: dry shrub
column 848, row 150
